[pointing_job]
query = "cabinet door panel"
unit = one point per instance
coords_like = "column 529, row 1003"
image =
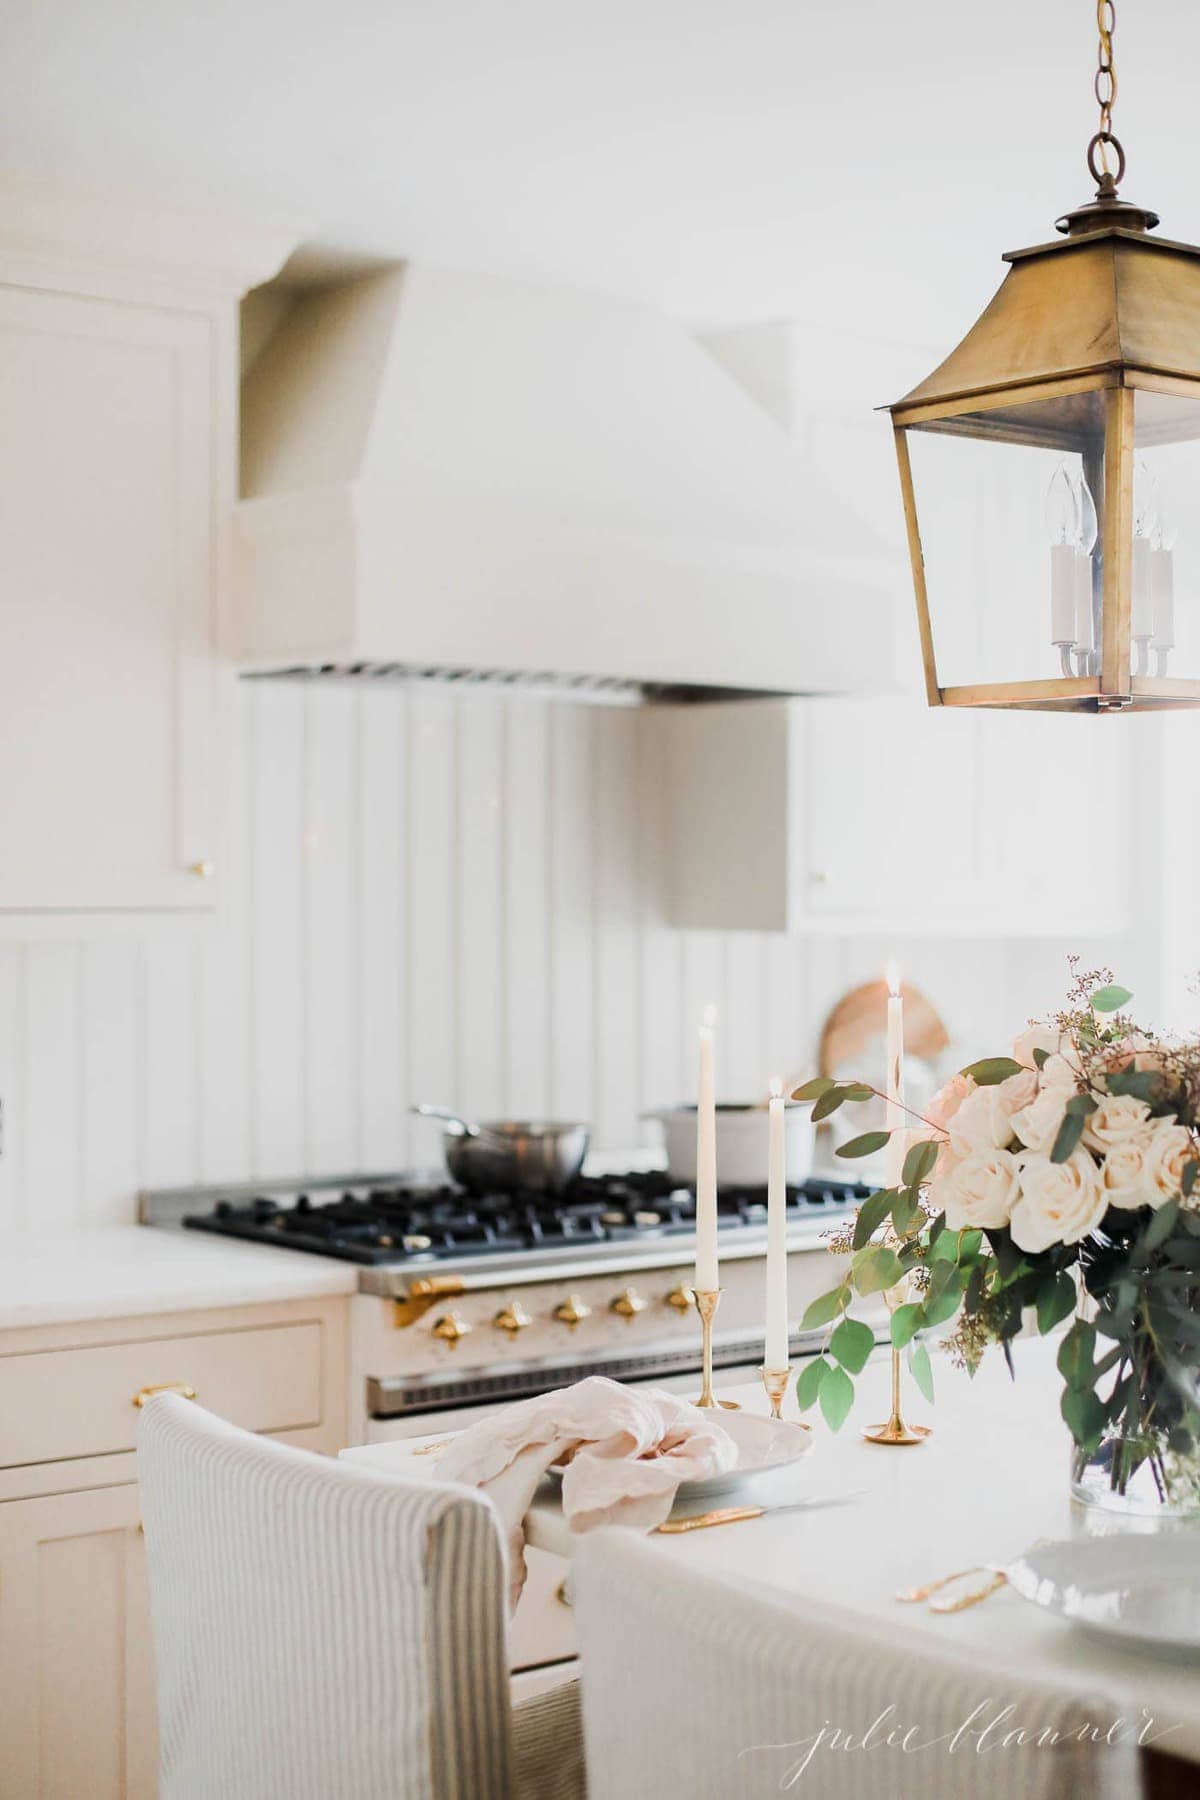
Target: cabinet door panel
column 76, row 1665
column 890, row 815
column 106, row 604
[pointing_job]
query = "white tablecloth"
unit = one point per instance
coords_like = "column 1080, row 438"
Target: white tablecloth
column 991, row 1480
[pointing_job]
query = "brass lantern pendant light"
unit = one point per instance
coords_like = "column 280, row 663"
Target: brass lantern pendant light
column 1050, row 468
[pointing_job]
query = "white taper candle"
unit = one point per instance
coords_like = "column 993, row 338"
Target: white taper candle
column 895, row 1077
column 706, row 1161
column 775, row 1351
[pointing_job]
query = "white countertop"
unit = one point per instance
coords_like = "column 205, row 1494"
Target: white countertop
column 121, row 1271
column 991, row 1480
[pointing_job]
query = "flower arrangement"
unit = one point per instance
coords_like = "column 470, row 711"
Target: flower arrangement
column 1060, row 1179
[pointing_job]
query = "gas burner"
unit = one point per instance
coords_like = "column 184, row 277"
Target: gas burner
column 400, row 1221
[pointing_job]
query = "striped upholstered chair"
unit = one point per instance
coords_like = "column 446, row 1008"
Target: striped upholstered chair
column 325, row 1633
column 754, row 1693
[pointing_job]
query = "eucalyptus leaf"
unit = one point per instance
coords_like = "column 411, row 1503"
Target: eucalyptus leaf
column 907, row 1215
column 1055, row 1301
column 918, row 1164
column 877, row 1268
column 1190, row 1172
column 921, row 1369
column 828, row 1103
column 1069, row 1134
column 1081, row 1105
column 1110, row 999
column 812, row 1090
column 871, row 1215
column 866, row 1145
column 905, row 1321
column 1085, row 1415
column 992, row 1070
column 1040, row 1058
column 970, row 1243
column 1162, row 1224
column 851, row 1344
column 837, row 1397
column 1143, row 1084
column 808, row 1384
column 824, row 1308
column 858, row 1091
column 937, row 1308
column 1076, row 1355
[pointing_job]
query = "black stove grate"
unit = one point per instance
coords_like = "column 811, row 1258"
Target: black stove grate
column 420, row 1223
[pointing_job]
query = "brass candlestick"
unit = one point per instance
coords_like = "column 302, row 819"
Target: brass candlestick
column 775, row 1381
column 707, row 1301
column 896, row 1430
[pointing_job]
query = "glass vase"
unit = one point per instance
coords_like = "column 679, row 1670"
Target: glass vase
column 1137, row 1477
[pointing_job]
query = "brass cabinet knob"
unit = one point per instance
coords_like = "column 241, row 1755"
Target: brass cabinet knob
column 628, row 1303
column 573, row 1310
column 512, row 1319
column 450, row 1327
column 164, row 1387
column 204, row 869
column 680, row 1298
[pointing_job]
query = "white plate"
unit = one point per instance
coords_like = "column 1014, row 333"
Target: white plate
column 1141, row 1589
column 764, row 1445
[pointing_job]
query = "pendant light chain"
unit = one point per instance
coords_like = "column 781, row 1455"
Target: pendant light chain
column 1104, row 86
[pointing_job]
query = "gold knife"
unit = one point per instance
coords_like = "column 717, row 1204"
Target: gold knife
column 732, row 1515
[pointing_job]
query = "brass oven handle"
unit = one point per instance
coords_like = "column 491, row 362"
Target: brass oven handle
column 680, row 1298
column 450, row 1327
column 164, row 1387
column 573, row 1310
column 512, row 1318
column 628, row 1303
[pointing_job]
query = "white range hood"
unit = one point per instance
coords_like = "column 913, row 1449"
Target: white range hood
column 459, row 473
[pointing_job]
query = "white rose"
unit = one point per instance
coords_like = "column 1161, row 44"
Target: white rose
column 1170, row 1149
column 979, row 1191
column 982, row 1122
column 1061, row 1071
column 1036, row 1038
column 948, row 1099
column 1118, row 1119
column 1060, row 1202
column 1017, row 1091
column 1037, row 1125
column 1126, row 1177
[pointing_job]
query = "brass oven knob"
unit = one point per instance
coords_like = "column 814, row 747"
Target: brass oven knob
column 628, row 1303
column 512, row 1318
column 680, row 1298
column 573, row 1310
column 450, row 1327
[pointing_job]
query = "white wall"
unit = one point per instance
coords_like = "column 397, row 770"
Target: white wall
column 424, row 896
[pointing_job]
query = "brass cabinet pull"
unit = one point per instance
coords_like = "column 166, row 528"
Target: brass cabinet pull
column 204, row 869
column 512, row 1319
column 628, row 1303
column 680, row 1298
column 423, row 1293
column 164, row 1387
column 450, row 1327
column 573, row 1310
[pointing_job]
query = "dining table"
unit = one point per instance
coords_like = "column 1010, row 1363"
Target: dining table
column 991, row 1481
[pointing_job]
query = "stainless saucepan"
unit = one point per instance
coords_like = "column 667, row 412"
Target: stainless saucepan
column 506, row 1154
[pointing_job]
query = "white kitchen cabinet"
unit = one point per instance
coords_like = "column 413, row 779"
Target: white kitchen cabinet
column 879, row 814
column 76, row 1655
column 77, row 1683
column 118, row 448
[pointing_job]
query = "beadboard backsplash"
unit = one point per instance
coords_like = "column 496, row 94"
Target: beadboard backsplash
column 423, row 896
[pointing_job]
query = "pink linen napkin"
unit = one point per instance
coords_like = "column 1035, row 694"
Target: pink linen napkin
column 626, row 1449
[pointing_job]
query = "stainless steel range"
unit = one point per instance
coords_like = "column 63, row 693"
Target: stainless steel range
column 466, row 1301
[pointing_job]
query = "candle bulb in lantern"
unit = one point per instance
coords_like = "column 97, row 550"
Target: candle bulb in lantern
column 895, row 1076
column 1062, row 524
column 775, row 1352
column 706, row 1161
column 1162, row 590
column 1085, row 635
column 1145, row 520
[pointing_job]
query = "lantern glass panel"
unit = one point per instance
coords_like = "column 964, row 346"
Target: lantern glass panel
column 1165, row 616
column 1009, row 503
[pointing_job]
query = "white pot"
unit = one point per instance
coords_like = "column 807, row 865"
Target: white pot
column 742, row 1136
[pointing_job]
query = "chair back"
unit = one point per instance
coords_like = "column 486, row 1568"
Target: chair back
column 321, row 1632
column 692, row 1685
